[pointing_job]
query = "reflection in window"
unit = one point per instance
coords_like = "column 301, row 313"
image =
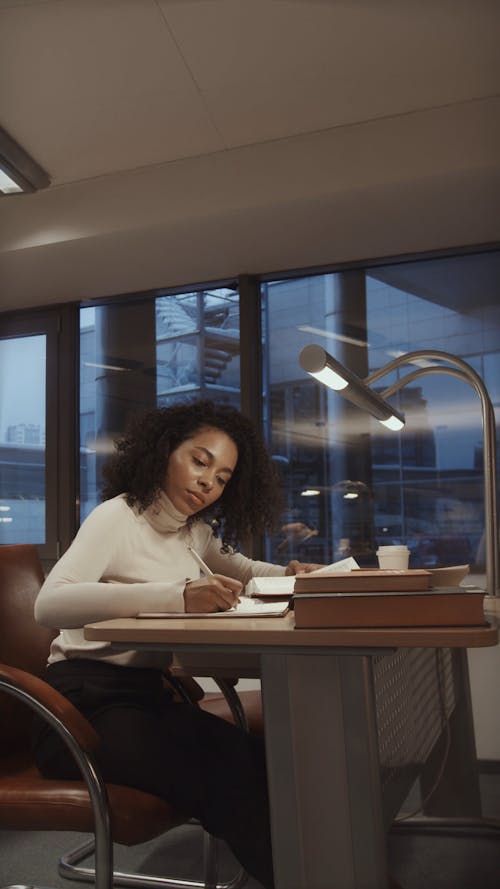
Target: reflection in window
column 198, row 346
column 423, row 486
column 22, row 439
column 140, row 353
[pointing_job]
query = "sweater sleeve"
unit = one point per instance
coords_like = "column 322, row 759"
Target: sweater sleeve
column 74, row 593
column 235, row 564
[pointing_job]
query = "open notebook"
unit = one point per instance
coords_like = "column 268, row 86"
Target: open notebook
column 251, row 605
column 284, row 585
column 246, row 607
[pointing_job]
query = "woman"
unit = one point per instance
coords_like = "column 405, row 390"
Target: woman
column 179, row 478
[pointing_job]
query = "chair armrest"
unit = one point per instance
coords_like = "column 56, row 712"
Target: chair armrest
column 81, row 740
column 186, row 687
column 227, row 687
column 37, row 691
column 188, row 690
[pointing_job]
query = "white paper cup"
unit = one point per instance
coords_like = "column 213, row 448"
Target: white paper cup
column 393, row 557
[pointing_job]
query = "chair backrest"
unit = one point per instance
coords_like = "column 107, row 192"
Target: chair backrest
column 23, row 642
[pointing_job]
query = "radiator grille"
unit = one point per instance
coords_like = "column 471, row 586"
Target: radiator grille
column 414, row 689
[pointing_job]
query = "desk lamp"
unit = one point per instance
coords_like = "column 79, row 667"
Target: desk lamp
column 321, row 365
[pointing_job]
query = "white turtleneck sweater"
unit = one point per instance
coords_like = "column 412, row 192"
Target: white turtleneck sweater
column 123, row 562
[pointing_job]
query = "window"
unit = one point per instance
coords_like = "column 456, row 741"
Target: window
column 138, row 353
column 198, row 347
column 349, row 483
column 28, row 433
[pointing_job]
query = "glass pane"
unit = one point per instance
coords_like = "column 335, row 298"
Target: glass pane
column 140, row 353
column 178, row 367
column 436, row 305
column 198, row 347
column 302, row 418
column 22, row 439
column 350, row 483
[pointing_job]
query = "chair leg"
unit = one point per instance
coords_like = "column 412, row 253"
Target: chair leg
column 90, row 773
column 210, row 860
column 68, row 863
column 69, row 869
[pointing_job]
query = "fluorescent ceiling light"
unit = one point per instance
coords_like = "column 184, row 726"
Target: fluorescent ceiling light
column 18, row 171
column 305, row 328
column 420, row 362
column 7, row 184
column 105, row 366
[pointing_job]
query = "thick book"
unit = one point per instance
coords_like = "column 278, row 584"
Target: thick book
column 364, row 580
column 450, row 607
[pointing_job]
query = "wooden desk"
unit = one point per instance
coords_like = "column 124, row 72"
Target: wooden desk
column 322, row 743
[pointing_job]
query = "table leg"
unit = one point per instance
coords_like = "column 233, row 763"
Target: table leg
column 323, row 768
column 458, row 791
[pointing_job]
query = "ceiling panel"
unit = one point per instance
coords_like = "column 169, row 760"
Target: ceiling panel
column 193, row 139
column 91, row 87
column 272, row 68
column 95, row 87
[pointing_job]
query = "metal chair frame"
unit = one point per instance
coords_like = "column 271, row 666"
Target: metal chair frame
column 101, row 845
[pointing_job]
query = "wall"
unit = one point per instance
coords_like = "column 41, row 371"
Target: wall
column 387, row 187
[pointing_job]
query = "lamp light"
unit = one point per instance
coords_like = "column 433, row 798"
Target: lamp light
column 18, row 171
column 350, row 490
column 314, row 357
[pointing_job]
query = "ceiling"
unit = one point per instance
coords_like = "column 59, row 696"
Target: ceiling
column 192, row 140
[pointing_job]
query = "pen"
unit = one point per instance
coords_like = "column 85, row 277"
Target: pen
column 200, row 561
column 207, row 571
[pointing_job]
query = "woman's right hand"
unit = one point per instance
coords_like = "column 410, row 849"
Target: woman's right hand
column 214, row 593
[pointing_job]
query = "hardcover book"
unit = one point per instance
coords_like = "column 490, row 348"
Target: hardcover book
column 364, row 580
column 451, row 607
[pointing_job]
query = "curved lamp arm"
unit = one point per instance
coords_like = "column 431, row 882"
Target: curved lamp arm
column 467, row 374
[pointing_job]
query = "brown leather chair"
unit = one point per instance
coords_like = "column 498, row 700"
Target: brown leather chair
column 30, row 802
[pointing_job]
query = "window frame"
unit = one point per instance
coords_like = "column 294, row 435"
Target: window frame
column 61, row 418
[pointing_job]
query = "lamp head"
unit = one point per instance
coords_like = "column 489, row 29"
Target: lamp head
column 314, row 360
column 323, row 367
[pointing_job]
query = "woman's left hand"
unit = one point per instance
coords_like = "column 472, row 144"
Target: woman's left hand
column 295, row 567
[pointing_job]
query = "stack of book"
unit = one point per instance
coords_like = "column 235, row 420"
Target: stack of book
column 378, row 598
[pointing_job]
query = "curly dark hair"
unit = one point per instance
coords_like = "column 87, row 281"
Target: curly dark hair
column 251, row 501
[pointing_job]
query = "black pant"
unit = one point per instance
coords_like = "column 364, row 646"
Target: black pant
column 204, row 766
